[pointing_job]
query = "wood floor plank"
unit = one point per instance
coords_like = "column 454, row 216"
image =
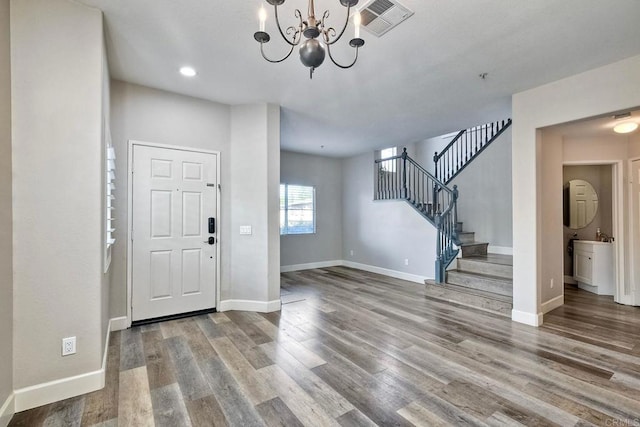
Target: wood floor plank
column 186, row 370
column 206, row 412
column 236, row 406
column 252, row 384
column 134, row 403
column 160, row 370
column 66, row 413
column 102, row 405
column 131, row 349
column 169, row 409
column 276, row 413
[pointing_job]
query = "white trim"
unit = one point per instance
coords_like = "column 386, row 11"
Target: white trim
column 64, row 388
column 219, row 233
column 531, row 319
column 552, row 304
column 310, row 266
column 499, row 250
column 249, row 305
column 570, row 280
column 7, row 410
column 118, row 323
column 386, row 272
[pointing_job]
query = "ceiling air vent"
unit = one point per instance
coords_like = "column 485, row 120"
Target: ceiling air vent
column 379, row 16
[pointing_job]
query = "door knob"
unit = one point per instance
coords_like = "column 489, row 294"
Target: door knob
column 211, row 241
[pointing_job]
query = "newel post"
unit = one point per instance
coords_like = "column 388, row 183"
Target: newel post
column 404, row 172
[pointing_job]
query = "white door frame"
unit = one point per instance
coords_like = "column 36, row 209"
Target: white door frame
column 617, row 218
column 131, row 144
column 634, row 288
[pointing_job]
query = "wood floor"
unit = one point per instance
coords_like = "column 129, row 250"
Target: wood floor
column 353, row 348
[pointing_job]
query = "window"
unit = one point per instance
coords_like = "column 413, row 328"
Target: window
column 388, row 166
column 297, row 209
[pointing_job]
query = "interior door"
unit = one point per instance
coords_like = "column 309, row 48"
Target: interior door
column 584, row 203
column 635, row 223
column 174, row 260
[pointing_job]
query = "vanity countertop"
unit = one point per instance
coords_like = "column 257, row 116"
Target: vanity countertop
column 591, row 242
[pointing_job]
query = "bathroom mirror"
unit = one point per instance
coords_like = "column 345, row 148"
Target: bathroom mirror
column 580, row 202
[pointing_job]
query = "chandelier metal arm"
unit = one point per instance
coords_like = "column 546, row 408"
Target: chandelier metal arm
column 346, row 23
column 337, row 63
column 298, row 15
column 275, row 61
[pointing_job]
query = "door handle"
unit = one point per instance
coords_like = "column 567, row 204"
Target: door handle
column 211, row 240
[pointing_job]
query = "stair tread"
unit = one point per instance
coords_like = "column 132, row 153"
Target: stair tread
column 471, row 291
column 492, row 259
column 473, row 243
column 491, row 277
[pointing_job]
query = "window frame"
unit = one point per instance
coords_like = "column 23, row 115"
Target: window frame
column 284, row 229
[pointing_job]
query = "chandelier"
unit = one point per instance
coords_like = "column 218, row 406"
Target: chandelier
column 312, row 50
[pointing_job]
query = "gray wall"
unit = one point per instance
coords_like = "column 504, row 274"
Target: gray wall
column 6, row 248
column 145, row 114
column 382, row 233
column 325, row 174
column 58, row 192
column 485, row 201
column 599, row 176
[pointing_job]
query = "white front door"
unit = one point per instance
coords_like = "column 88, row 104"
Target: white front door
column 635, row 233
column 174, row 265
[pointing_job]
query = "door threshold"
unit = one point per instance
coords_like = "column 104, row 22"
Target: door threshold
column 172, row 317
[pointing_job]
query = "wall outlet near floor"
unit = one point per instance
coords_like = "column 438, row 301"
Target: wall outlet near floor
column 351, row 252
column 551, row 283
column 406, row 261
column 68, row 346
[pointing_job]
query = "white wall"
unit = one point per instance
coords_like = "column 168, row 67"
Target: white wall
column 255, row 181
column 57, row 65
column 325, row 174
column 382, row 233
column 603, row 90
column 6, row 227
column 144, row 114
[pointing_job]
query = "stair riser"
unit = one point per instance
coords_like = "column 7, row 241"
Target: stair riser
column 466, row 237
column 499, row 270
column 480, row 283
column 474, row 250
column 499, row 307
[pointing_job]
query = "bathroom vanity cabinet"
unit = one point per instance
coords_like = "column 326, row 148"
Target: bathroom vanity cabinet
column 593, row 266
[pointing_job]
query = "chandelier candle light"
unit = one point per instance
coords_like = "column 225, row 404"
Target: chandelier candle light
column 312, row 50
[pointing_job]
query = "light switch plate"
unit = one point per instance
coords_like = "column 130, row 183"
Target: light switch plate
column 245, row 229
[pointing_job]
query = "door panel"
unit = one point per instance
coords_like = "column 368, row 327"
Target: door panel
column 635, row 223
column 174, row 268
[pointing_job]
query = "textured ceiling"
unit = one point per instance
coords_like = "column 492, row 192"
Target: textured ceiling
column 419, row 80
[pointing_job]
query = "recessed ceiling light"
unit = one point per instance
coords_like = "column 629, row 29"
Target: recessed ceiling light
column 188, row 71
column 625, row 127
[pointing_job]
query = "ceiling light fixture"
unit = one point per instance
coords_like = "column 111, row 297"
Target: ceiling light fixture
column 188, row 71
column 626, row 127
column 312, row 51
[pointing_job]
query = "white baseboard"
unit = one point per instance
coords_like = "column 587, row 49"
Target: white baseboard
column 532, row 319
column 570, row 280
column 387, row 272
column 7, row 410
column 500, row 250
column 310, row 266
column 118, row 323
column 552, row 304
column 64, row 388
column 249, row 305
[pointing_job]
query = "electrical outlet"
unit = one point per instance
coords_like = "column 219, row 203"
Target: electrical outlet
column 406, row 261
column 551, row 283
column 351, row 252
column 68, row 346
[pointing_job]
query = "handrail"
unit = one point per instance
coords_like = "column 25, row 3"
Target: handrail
column 465, row 147
column 402, row 178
